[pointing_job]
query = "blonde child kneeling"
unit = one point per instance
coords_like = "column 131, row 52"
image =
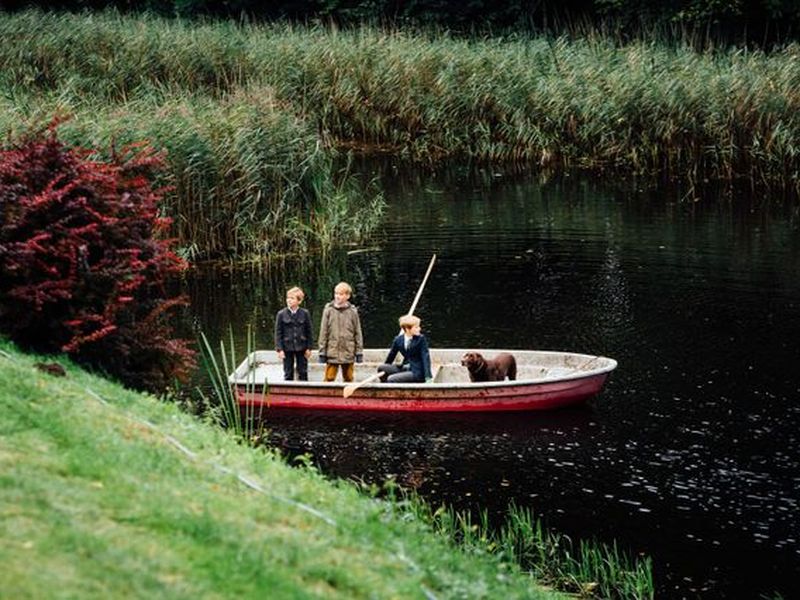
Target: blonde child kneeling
column 413, row 346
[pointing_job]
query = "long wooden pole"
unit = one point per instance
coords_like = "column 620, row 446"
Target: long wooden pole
column 349, row 389
column 422, row 286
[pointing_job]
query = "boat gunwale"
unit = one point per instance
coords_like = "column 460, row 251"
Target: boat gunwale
column 470, row 385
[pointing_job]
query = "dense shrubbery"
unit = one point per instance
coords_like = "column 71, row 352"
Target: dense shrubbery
column 82, row 264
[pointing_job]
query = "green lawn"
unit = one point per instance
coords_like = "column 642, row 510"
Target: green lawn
column 98, row 500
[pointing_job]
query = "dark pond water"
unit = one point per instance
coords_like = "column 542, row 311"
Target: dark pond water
column 690, row 454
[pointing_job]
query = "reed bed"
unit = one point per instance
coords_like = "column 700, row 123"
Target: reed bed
column 586, row 568
column 238, row 104
column 246, row 177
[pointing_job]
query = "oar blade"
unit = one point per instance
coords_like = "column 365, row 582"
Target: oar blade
column 349, row 389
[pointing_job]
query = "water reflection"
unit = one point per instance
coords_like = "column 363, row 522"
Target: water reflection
column 690, row 454
column 429, row 452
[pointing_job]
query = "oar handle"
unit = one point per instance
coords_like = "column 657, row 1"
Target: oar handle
column 422, row 286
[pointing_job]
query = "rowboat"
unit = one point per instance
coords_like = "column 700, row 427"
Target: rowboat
column 545, row 380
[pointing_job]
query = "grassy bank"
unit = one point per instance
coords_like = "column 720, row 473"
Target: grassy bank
column 642, row 106
column 124, row 496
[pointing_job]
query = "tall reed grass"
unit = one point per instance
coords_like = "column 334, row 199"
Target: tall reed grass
column 222, row 405
column 588, row 569
column 250, row 113
column 246, row 176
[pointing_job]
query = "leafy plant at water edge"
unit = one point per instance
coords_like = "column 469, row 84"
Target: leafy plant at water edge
column 83, row 266
column 223, row 405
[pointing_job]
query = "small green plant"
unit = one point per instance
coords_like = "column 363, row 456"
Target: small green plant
column 223, row 407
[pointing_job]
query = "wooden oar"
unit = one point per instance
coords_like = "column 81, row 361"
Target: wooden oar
column 349, row 389
column 422, row 286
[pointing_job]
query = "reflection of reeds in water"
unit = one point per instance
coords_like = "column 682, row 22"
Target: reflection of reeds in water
column 588, row 568
column 223, row 407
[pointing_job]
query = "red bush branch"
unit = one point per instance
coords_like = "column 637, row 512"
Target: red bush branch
column 82, row 267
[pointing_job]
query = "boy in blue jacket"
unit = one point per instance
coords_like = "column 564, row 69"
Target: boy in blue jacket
column 412, row 345
column 293, row 336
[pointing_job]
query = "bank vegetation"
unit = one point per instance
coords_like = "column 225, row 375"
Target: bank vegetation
column 251, row 114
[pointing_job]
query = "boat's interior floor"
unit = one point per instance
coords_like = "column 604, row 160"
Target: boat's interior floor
column 442, row 373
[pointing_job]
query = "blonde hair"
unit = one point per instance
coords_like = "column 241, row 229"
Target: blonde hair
column 296, row 291
column 343, row 286
column 408, row 321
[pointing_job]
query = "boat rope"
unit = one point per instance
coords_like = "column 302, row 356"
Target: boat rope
column 249, row 482
column 429, row 595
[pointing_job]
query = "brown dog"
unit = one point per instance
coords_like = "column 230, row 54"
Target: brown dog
column 495, row 369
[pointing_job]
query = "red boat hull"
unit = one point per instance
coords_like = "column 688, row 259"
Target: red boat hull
column 510, row 396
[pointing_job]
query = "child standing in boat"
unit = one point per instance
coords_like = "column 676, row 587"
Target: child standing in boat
column 341, row 343
column 293, row 336
column 413, row 346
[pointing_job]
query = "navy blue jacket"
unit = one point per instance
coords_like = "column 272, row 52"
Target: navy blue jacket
column 293, row 331
column 417, row 357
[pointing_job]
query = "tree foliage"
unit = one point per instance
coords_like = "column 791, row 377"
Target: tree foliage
column 83, row 266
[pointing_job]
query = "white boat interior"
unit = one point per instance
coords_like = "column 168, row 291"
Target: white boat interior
column 532, row 366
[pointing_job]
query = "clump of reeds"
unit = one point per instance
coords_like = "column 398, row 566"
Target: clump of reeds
column 222, row 405
column 245, row 176
column 589, row 569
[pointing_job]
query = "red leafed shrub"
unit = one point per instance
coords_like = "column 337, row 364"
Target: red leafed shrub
column 83, row 264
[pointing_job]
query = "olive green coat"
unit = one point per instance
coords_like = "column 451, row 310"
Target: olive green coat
column 340, row 338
